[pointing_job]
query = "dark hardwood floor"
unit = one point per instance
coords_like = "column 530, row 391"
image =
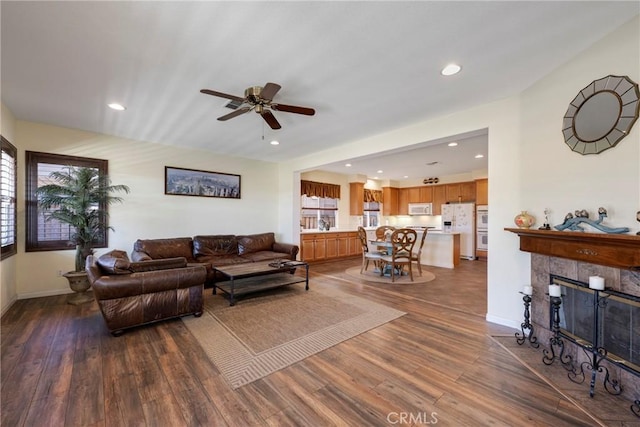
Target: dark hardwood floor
column 436, row 365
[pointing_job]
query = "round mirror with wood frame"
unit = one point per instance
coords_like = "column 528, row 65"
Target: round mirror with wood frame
column 601, row 114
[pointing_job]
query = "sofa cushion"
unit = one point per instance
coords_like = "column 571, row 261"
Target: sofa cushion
column 114, row 262
column 220, row 260
column 263, row 256
column 256, row 242
column 208, row 246
column 166, row 248
column 157, row 264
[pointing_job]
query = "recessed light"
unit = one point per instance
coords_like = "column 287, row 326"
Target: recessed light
column 274, row 142
column 116, row 106
column 450, row 70
column 380, row 171
column 348, row 165
column 452, row 144
column 479, row 156
column 406, row 176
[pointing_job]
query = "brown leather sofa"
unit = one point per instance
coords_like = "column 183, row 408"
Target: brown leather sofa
column 215, row 250
column 135, row 293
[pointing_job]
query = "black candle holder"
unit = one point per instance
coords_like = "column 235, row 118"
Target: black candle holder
column 556, row 341
column 595, row 355
column 526, row 325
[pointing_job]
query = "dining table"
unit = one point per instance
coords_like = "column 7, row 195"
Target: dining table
column 387, row 245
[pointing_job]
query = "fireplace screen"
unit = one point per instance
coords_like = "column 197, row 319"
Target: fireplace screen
column 617, row 326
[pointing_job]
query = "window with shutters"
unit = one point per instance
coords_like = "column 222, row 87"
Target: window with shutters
column 8, row 193
column 43, row 234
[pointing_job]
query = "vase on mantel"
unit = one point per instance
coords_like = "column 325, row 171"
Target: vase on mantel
column 524, row 220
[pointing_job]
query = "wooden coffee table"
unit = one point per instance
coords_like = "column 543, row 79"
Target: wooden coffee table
column 258, row 276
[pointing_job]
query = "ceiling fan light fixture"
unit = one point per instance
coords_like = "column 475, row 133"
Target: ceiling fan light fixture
column 450, row 70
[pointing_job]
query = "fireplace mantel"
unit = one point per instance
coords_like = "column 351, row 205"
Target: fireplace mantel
column 612, row 250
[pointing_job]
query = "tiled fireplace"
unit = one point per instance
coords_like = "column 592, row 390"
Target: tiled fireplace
column 577, row 256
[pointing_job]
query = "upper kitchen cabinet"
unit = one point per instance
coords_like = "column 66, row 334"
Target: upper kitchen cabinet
column 389, row 201
column 461, row 192
column 426, row 194
column 414, row 195
column 404, row 198
column 356, row 198
column 482, row 191
column 439, row 198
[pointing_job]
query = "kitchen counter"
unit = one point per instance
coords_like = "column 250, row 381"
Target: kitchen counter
column 441, row 248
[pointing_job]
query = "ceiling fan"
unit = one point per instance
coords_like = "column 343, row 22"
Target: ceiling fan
column 260, row 99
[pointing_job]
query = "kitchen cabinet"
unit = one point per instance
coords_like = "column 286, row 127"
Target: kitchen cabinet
column 482, row 191
column 403, row 201
column 439, row 198
column 326, row 246
column 331, row 245
column 313, row 247
column 414, row 194
column 389, row 201
column 355, row 247
column 426, row 195
column 356, row 198
column 461, row 192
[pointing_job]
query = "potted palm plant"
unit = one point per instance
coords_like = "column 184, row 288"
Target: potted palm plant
column 79, row 196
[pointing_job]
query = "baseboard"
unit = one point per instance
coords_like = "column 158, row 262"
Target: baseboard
column 8, row 306
column 502, row 321
column 50, row 293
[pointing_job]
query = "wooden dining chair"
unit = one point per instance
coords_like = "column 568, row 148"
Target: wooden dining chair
column 416, row 256
column 380, row 231
column 402, row 242
column 367, row 255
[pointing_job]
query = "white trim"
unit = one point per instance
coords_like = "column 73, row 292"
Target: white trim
column 502, row 321
column 8, row 306
column 40, row 294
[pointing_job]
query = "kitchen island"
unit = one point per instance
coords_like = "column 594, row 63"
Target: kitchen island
column 441, row 248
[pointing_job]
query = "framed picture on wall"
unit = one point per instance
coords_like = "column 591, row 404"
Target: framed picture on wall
column 192, row 182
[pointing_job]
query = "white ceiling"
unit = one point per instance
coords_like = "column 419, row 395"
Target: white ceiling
column 365, row 67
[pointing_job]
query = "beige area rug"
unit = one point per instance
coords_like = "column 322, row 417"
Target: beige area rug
column 270, row 331
column 371, row 275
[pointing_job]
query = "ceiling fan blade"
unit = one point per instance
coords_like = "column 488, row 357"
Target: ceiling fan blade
column 233, row 114
column 294, row 109
column 269, row 91
column 270, row 119
column 221, row 95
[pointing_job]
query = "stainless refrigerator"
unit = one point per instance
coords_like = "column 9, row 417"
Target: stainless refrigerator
column 460, row 218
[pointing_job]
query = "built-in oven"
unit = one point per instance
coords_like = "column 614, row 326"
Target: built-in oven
column 482, row 241
column 482, row 217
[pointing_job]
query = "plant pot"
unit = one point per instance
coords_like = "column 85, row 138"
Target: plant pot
column 79, row 283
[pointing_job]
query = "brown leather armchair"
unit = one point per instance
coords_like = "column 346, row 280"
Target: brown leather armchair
column 136, row 293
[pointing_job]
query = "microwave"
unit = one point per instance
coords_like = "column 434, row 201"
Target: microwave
column 420, row 209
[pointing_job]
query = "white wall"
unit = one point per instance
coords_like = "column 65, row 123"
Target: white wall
column 530, row 167
column 8, row 267
column 146, row 212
